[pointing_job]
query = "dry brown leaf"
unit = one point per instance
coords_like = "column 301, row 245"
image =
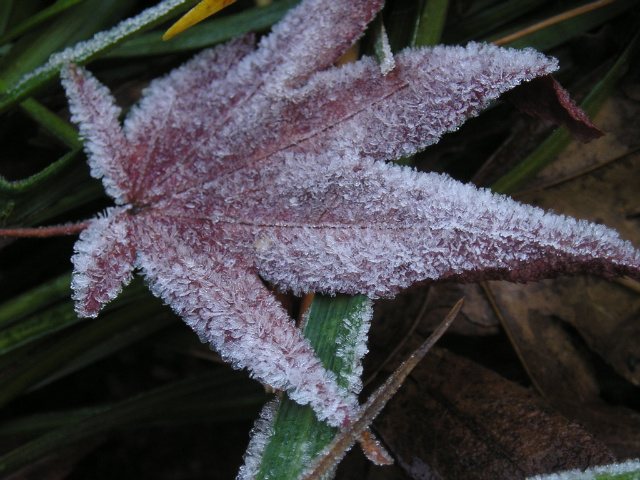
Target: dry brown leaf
column 539, row 318
column 457, row 420
column 475, row 318
column 535, row 317
column 617, row 427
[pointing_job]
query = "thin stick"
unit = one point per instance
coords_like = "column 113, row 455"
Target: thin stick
column 346, row 438
column 398, row 347
column 552, row 21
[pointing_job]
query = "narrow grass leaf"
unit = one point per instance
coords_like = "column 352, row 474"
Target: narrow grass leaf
column 558, row 33
column 489, row 19
column 35, row 299
column 46, row 361
column 86, row 51
column 206, row 33
column 5, row 14
column 35, row 20
column 629, row 470
column 50, row 317
column 431, row 23
column 171, row 399
column 48, row 194
column 76, row 25
column 336, row 327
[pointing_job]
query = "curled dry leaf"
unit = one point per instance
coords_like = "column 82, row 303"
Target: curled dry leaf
column 544, row 97
column 250, row 164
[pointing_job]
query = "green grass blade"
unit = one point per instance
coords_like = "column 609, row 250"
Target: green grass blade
column 206, row 33
column 205, row 391
column 49, row 359
column 431, row 23
column 5, row 14
column 629, row 470
column 59, row 188
column 335, row 327
column 44, row 15
column 30, row 302
column 51, row 320
column 488, row 19
column 77, row 24
column 86, row 51
column 567, row 30
column 50, row 317
column 61, row 129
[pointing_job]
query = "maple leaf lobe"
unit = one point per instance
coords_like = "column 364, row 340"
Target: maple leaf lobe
column 98, row 279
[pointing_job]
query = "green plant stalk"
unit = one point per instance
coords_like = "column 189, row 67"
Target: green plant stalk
column 298, row 436
column 34, row 181
column 46, row 194
column 548, row 150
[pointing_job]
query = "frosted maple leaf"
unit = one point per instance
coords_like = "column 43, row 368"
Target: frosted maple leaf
column 248, row 165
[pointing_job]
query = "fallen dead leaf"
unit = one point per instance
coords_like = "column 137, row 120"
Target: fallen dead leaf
column 457, row 420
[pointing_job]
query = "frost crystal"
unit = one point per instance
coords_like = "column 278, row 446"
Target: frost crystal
column 248, row 165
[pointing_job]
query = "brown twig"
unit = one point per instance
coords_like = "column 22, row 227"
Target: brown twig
column 346, row 438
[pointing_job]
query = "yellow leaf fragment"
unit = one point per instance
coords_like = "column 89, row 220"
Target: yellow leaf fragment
column 204, row 9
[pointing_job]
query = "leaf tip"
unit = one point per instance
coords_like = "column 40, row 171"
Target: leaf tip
column 198, row 13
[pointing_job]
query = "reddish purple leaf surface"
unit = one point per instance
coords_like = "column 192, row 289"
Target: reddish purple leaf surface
column 246, row 164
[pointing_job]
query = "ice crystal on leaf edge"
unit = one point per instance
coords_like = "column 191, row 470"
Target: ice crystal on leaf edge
column 248, row 165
